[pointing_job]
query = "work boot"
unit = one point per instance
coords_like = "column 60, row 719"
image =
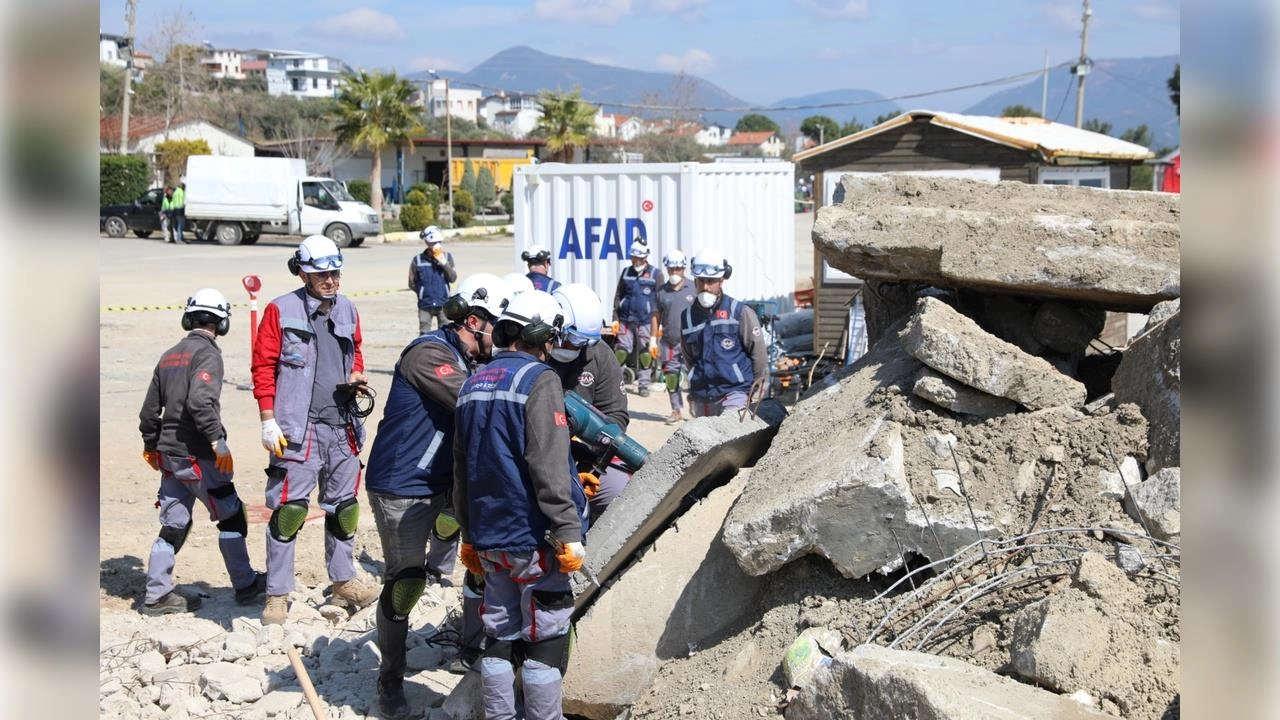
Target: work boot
column 170, row 603
column 352, row 594
column 248, row 594
column 276, row 611
column 462, row 663
column 391, row 700
column 675, row 417
column 644, row 391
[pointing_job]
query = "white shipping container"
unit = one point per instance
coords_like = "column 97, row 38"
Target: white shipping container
column 588, row 216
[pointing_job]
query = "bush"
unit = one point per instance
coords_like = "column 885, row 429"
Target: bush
column 508, row 202
column 432, row 191
column 486, row 190
column 360, row 190
column 173, row 154
column 415, row 217
column 468, row 181
column 464, row 207
column 122, row 178
column 415, row 197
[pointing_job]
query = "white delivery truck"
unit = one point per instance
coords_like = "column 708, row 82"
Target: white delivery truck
column 588, row 216
column 236, row 199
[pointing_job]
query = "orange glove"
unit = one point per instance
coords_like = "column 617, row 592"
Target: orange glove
column 222, row 457
column 571, row 556
column 152, row 458
column 470, row 560
column 615, row 327
column 590, row 484
column 653, row 350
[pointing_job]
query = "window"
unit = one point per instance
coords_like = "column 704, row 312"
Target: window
column 1097, row 176
column 328, row 83
column 297, row 84
column 315, row 83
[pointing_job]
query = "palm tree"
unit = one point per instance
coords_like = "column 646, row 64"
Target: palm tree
column 567, row 122
column 374, row 112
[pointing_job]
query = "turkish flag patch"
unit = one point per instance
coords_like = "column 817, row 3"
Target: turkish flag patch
column 444, row 371
column 722, row 314
column 561, row 420
column 205, row 376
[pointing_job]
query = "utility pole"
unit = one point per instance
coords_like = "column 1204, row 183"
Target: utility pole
column 1082, row 68
column 129, row 8
column 1044, row 89
column 448, row 147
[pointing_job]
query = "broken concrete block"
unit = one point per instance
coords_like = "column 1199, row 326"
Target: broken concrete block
column 1100, row 579
column 1116, row 249
column 1157, row 502
column 173, row 639
column 278, row 702
column 1150, row 375
column 236, row 683
column 875, row 682
column 959, row 398
column 812, row 650
column 238, row 645
column 1129, row 558
column 1067, row 328
column 940, row 337
column 1112, row 484
column 684, row 590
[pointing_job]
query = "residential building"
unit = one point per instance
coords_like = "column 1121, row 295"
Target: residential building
column 713, row 135
column 464, row 102
column 300, row 74
column 222, row 64
column 516, row 123
column 253, row 68
column 767, row 142
column 428, row 159
column 629, row 127
column 146, row 131
column 489, row 107
column 606, row 126
column 142, row 61
column 112, row 49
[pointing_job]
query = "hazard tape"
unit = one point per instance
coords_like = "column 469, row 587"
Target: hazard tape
column 155, row 308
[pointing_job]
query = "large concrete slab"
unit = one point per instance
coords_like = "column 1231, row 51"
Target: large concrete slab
column 1150, row 376
column 685, row 590
column 954, row 345
column 1118, row 249
column 875, row 682
column 958, row 397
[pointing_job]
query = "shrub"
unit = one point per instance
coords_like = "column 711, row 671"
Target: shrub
column 431, row 190
column 486, row 190
column 173, row 154
column 416, row 217
column 360, row 190
column 415, row 197
column 508, row 203
column 468, row 181
column 464, row 206
column 122, row 178
column 461, row 219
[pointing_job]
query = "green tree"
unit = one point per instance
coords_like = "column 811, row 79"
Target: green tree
column 468, row 181
column 1140, row 135
column 852, row 127
column 819, row 128
column 567, row 122
column 110, row 80
column 1175, row 89
column 755, row 122
column 486, row 189
column 1098, row 126
column 122, row 178
column 172, row 156
column 665, row 148
column 884, row 118
column 1018, row 111
column 374, row 112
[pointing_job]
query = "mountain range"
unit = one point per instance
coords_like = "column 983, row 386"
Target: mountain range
column 1124, row 92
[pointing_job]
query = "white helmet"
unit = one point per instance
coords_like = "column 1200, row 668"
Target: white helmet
column 517, row 282
column 538, row 315
column 674, row 259
column 431, row 235
column 536, row 254
column 583, row 313
column 484, row 291
column 711, row 263
column 207, row 302
column 317, row 253
column 639, row 249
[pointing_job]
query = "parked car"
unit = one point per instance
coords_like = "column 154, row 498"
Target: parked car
column 142, row 216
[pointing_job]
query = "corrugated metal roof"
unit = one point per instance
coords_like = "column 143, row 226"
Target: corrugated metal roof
column 1052, row 140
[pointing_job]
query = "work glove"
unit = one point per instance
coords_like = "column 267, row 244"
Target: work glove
column 615, row 326
column 571, row 556
column 222, row 457
column 470, row 559
column 272, row 438
column 590, row 483
column 653, row 350
column 152, row 458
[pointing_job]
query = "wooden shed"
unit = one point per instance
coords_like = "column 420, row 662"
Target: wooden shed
column 1030, row 150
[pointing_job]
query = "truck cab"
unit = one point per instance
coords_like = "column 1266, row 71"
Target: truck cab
column 326, row 208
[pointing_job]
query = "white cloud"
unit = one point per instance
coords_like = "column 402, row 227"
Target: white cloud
column 593, row 12
column 362, row 24
column 673, row 7
column 694, row 61
column 431, row 62
column 838, row 9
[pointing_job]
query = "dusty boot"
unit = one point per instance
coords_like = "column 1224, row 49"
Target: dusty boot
column 674, row 418
column 171, row 602
column 276, row 611
column 391, row 700
column 352, row 594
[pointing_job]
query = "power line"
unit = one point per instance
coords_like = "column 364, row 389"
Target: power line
column 1065, row 95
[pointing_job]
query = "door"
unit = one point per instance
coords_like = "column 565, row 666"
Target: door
column 317, row 208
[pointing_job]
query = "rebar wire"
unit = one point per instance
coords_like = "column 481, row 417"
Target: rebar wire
column 1129, row 496
column 902, row 555
column 977, row 532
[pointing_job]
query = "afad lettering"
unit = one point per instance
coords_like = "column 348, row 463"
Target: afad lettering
column 593, row 244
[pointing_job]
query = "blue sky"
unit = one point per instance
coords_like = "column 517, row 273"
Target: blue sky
column 758, row 50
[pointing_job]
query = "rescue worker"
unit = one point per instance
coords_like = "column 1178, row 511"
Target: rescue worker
column 308, row 348
column 586, row 366
column 410, row 473
column 178, row 206
column 673, row 298
column 538, row 259
column 183, row 438
column 166, row 213
column 518, row 498
column 721, row 342
column 633, row 305
column 430, row 273
column 517, row 283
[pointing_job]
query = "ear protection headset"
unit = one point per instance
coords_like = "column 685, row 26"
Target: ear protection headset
column 295, row 262
column 189, row 320
column 728, row 269
column 538, row 332
column 457, row 308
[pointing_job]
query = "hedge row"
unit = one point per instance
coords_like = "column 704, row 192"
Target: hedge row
column 122, row 178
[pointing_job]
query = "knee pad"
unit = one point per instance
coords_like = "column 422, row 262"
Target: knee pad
column 175, row 536
column 446, row 526
column 287, row 520
column 401, row 593
column 342, row 522
column 473, row 583
column 553, row 652
column 646, row 360
column 673, row 381
column 621, row 355
column 238, row 523
column 501, row 649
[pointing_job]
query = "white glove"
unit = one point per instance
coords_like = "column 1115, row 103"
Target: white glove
column 272, row 438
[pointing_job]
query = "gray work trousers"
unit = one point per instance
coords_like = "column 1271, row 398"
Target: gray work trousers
column 702, row 407
column 182, row 481
column 633, row 338
column 426, row 316
column 612, row 483
column 332, row 464
column 404, row 526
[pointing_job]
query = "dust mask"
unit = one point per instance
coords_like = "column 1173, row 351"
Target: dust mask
column 707, row 299
column 564, row 355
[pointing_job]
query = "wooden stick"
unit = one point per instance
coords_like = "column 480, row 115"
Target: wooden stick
column 308, row 690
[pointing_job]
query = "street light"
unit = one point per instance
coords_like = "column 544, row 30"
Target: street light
column 448, row 141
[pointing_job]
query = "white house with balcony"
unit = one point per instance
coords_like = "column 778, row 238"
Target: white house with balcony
column 112, row 49
column 464, row 102
column 502, row 102
column 628, row 127
column 713, row 135
column 606, row 124
column 223, row 64
column 300, row 74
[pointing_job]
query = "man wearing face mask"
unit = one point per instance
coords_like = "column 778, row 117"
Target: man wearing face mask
column 720, row 340
column 633, row 309
column 308, row 346
column 586, row 366
column 673, row 298
column 410, row 480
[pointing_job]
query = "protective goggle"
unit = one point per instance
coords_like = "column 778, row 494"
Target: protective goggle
column 571, row 337
column 704, row 270
column 329, row 262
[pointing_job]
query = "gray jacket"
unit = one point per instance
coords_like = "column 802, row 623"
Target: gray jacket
column 181, row 414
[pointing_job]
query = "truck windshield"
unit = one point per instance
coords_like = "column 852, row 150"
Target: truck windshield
column 336, row 190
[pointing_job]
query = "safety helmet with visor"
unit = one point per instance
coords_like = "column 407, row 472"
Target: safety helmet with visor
column 534, row 315
column 711, row 264
column 431, row 235
column 537, row 254
column 207, row 307
column 674, row 259
column 316, row 254
column 639, row 249
column 517, row 283
column 481, row 291
column 583, row 316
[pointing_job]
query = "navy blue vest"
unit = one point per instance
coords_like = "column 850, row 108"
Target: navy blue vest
column 720, row 363
column 491, row 415
column 638, row 287
column 545, row 283
column 433, row 288
column 412, row 454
